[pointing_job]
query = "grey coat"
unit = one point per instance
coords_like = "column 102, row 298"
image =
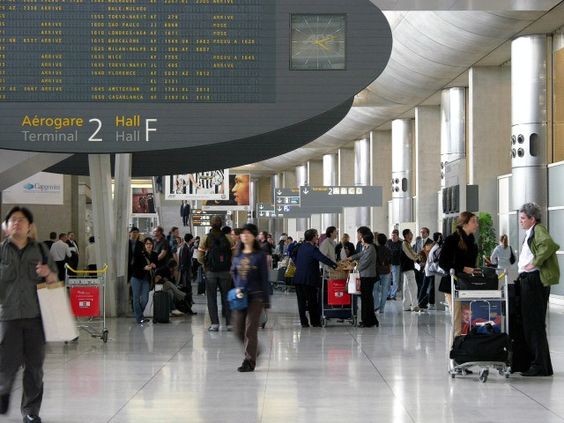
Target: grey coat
column 366, row 262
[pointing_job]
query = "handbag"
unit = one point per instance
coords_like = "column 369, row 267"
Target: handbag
column 238, row 299
column 56, row 314
column 512, row 256
column 484, row 281
column 290, row 270
column 353, row 285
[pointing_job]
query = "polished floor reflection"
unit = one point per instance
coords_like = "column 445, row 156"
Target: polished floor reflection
column 180, row 372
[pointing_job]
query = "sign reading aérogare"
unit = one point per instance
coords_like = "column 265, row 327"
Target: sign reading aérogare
column 70, row 129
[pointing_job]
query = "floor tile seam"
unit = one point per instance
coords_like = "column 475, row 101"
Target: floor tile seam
column 191, row 339
column 539, row 403
column 261, row 417
column 382, row 376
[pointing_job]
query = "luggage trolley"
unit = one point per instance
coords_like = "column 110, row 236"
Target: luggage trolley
column 336, row 302
column 88, row 299
column 484, row 308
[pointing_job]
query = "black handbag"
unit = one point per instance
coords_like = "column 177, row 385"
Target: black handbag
column 485, row 281
column 512, row 256
column 481, row 347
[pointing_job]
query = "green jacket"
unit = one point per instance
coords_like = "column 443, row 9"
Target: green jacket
column 544, row 249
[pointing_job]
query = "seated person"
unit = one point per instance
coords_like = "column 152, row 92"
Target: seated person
column 165, row 276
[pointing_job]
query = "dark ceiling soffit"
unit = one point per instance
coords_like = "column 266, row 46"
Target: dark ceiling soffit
column 218, row 156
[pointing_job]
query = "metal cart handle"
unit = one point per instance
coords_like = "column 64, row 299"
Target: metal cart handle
column 89, row 272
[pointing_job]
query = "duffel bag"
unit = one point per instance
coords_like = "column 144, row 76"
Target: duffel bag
column 481, row 347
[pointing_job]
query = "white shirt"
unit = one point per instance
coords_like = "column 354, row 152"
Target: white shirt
column 91, row 253
column 60, row 251
column 526, row 255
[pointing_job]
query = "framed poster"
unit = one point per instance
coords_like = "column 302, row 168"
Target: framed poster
column 142, row 202
column 209, row 185
column 238, row 195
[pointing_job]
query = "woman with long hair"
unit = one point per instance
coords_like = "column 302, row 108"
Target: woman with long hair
column 459, row 252
column 368, row 277
column 250, row 275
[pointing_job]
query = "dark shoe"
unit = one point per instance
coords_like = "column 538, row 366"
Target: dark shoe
column 534, row 371
column 32, row 418
column 191, row 313
column 4, row 403
column 305, row 326
column 363, row 325
column 377, row 323
column 247, row 366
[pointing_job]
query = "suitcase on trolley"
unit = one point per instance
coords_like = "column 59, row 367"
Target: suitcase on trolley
column 161, row 307
column 476, row 347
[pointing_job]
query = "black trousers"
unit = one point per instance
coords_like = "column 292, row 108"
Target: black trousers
column 308, row 299
column 534, row 301
column 427, row 293
column 367, row 301
column 22, row 343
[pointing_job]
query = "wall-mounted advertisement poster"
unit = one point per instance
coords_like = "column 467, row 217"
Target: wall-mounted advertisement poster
column 142, row 202
column 238, row 195
column 42, row 188
column 210, row 185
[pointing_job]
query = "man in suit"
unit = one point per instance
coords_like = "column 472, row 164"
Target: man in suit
column 307, row 278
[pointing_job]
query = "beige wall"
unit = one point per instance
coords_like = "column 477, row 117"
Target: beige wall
column 558, row 105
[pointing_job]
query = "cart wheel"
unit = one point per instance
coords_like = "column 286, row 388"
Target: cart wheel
column 105, row 335
column 263, row 325
column 453, row 375
column 507, row 374
column 323, row 322
column 484, row 375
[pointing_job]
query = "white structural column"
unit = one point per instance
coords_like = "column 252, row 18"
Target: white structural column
column 381, row 146
column 330, row 174
column 489, row 131
column 122, row 208
column 315, row 179
column 104, row 226
column 362, row 174
column 301, row 180
column 427, row 164
column 345, row 164
column 253, row 196
column 402, row 175
column 529, row 120
column 453, row 130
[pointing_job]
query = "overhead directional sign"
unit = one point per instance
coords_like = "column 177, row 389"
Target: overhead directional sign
column 287, row 196
column 338, row 197
column 266, row 210
column 203, row 217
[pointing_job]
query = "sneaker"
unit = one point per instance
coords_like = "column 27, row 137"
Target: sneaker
column 246, row 366
column 213, row 328
column 4, row 403
column 431, row 307
column 32, row 418
column 416, row 309
column 176, row 312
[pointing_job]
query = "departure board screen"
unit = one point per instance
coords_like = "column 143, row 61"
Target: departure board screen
column 137, row 51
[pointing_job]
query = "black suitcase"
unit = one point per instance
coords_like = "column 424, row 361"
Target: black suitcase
column 161, row 307
column 481, row 347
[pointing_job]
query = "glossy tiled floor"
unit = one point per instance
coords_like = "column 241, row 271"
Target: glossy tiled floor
column 181, row 373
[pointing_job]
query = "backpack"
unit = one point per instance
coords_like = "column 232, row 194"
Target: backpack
column 218, row 255
column 383, row 260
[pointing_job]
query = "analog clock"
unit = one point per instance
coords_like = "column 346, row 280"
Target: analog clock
column 318, row 42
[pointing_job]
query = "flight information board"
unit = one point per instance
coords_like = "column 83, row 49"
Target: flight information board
column 137, row 51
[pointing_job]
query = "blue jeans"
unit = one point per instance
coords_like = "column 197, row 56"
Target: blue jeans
column 396, row 280
column 381, row 289
column 140, row 294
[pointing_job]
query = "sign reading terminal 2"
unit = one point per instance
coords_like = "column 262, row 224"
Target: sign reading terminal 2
column 127, row 128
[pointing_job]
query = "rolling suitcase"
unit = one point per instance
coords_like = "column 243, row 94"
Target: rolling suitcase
column 161, row 307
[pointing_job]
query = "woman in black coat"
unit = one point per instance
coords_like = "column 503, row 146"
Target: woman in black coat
column 459, row 252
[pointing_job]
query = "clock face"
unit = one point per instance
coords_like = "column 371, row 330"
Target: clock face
column 318, row 42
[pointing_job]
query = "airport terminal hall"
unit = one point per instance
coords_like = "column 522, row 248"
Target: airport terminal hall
column 282, row 211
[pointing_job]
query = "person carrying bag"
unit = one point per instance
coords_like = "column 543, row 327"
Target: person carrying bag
column 23, row 266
